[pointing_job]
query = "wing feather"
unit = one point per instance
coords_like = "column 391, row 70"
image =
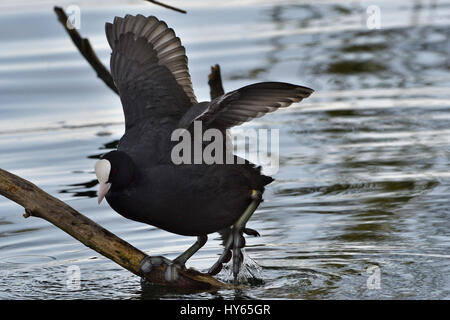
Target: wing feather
column 247, row 103
column 167, row 45
column 149, row 68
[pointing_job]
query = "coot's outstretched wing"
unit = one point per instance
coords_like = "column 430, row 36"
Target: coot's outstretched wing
column 149, row 68
column 244, row 104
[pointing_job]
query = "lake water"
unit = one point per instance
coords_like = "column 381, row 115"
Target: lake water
column 363, row 186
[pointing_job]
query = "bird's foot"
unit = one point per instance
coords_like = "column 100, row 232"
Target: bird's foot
column 233, row 248
column 251, row 232
column 172, row 266
column 172, row 271
column 236, row 240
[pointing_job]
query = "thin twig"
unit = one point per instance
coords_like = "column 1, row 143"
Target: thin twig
column 86, row 50
column 167, row 6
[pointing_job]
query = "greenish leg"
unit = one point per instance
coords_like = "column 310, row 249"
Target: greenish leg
column 236, row 240
column 240, row 224
column 182, row 258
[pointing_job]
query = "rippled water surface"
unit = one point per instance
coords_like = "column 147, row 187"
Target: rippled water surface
column 364, row 162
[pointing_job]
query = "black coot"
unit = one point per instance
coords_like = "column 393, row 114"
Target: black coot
column 140, row 181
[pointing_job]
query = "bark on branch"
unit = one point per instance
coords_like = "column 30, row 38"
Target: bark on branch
column 38, row 203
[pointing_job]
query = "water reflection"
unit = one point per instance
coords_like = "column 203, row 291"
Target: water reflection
column 107, row 146
column 363, row 176
column 84, row 189
column 78, row 189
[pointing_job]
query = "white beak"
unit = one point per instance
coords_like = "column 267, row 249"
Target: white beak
column 102, row 191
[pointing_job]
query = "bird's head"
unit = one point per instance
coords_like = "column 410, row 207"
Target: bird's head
column 114, row 170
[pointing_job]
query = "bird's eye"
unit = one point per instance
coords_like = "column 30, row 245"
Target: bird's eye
column 114, row 171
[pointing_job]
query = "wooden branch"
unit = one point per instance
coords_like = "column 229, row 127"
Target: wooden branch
column 167, row 6
column 86, row 50
column 38, row 203
column 215, row 82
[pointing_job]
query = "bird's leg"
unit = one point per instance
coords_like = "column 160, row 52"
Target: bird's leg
column 236, row 240
column 238, row 228
column 172, row 266
column 182, row 258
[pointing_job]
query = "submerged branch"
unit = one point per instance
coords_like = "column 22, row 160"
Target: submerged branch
column 215, row 82
column 38, row 203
